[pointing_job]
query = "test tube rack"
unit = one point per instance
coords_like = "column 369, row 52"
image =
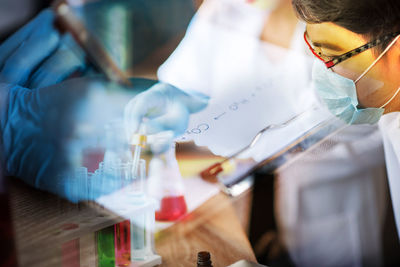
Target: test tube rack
column 45, row 226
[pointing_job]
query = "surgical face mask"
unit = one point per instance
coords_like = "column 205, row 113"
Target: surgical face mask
column 340, row 94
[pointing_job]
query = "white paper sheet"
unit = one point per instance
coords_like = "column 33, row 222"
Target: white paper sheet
column 252, row 84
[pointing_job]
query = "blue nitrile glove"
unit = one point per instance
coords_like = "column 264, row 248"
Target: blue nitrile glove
column 166, row 107
column 36, row 125
column 68, row 60
column 37, row 56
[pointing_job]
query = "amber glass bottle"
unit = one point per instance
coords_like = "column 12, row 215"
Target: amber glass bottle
column 204, row 259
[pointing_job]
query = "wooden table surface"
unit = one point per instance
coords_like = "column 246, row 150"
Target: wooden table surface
column 213, row 227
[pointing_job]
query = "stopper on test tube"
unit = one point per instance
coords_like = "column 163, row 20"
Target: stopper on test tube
column 139, row 138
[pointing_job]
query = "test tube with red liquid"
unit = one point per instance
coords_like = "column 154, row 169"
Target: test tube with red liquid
column 122, row 237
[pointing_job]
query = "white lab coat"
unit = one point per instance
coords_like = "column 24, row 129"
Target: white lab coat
column 390, row 128
column 330, row 202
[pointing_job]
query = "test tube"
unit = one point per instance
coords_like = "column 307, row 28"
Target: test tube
column 138, row 237
column 83, row 183
column 91, row 180
column 101, row 167
column 78, row 182
column 112, row 175
column 105, row 247
column 122, row 243
column 97, row 183
column 136, row 158
column 138, row 221
column 137, row 178
column 71, row 253
column 124, row 170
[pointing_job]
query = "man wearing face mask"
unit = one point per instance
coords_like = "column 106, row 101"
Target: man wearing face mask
column 358, row 50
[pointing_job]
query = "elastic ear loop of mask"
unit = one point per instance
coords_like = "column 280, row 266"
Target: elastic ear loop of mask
column 390, row 100
column 373, row 64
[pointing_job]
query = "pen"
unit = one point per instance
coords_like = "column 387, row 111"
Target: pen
column 210, row 174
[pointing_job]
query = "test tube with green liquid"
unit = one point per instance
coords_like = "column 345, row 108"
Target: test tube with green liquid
column 105, row 247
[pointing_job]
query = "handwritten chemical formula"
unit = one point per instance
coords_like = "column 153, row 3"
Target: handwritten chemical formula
column 235, row 106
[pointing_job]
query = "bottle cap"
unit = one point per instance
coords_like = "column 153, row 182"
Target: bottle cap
column 204, row 259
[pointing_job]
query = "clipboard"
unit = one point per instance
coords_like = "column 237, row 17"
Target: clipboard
column 238, row 182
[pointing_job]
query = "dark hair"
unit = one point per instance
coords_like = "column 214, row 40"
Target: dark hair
column 371, row 18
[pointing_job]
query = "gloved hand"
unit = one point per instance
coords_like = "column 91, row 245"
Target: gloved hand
column 37, row 126
column 37, row 56
column 34, row 124
column 166, row 107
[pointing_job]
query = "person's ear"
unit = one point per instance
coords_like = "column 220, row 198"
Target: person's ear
column 393, row 55
column 396, row 46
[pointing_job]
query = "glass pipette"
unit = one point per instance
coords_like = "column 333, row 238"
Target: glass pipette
column 139, row 141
